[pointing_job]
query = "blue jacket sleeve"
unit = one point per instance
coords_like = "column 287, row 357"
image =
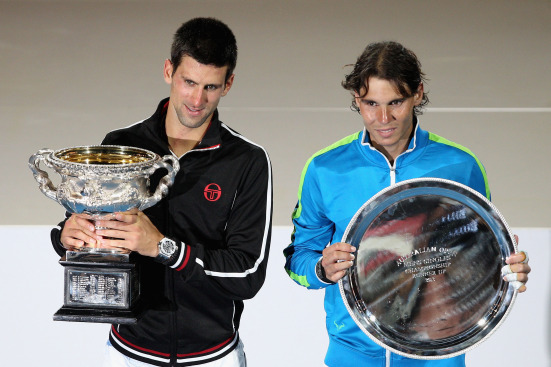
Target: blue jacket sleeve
column 312, row 233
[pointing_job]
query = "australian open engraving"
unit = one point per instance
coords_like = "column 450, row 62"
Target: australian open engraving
column 95, row 288
column 427, row 268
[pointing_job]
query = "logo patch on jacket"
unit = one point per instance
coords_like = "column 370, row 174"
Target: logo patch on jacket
column 212, row 192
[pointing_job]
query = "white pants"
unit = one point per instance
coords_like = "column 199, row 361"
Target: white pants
column 113, row 358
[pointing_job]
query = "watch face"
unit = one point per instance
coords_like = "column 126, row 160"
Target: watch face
column 168, row 247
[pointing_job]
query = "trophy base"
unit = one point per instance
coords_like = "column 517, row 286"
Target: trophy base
column 108, row 316
column 100, row 287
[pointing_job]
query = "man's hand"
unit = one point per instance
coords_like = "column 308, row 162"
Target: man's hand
column 517, row 269
column 130, row 230
column 336, row 259
column 79, row 232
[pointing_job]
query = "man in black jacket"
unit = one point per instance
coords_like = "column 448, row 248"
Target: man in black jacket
column 215, row 221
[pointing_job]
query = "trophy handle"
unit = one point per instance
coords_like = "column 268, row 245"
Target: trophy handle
column 44, row 182
column 166, row 181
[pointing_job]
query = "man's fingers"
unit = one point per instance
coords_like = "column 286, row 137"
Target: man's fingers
column 517, row 275
column 519, row 286
column 339, row 265
column 130, row 216
column 336, row 271
column 76, row 237
column 338, row 251
column 119, row 225
column 338, row 275
column 71, row 243
column 111, row 234
column 341, row 246
column 82, row 223
column 519, row 257
column 526, row 258
column 336, row 257
column 522, row 288
column 80, row 228
column 112, row 244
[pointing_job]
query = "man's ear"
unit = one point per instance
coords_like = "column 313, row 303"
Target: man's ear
column 228, row 85
column 356, row 97
column 168, row 71
column 418, row 96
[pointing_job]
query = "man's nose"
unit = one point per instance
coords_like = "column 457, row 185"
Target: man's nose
column 197, row 96
column 385, row 115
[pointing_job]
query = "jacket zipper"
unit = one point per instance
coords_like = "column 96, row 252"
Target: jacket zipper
column 392, row 167
column 393, row 174
column 173, row 336
column 169, row 276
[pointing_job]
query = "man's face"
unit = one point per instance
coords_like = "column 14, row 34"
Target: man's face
column 195, row 90
column 388, row 116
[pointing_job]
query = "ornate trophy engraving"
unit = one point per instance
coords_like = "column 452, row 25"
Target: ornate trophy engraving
column 426, row 280
column 102, row 285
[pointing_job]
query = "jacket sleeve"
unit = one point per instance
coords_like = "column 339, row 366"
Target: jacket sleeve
column 55, row 237
column 312, row 233
column 238, row 270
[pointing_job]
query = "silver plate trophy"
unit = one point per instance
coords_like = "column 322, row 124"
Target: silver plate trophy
column 426, row 280
column 102, row 285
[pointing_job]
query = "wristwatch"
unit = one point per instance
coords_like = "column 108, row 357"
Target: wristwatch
column 167, row 250
column 320, row 272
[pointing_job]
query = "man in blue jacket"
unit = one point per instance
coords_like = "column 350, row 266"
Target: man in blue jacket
column 388, row 92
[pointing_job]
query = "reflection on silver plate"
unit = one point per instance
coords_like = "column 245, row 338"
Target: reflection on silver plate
column 426, row 279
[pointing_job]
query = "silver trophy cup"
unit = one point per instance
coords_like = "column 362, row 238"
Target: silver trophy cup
column 101, row 284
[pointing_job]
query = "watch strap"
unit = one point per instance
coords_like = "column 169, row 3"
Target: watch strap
column 320, row 273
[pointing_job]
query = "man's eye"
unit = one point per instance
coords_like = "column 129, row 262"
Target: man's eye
column 189, row 82
column 369, row 103
column 397, row 103
column 211, row 87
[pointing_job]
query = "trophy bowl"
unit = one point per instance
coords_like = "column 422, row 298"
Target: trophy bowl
column 102, row 179
column 102, row 284
column 426, row 280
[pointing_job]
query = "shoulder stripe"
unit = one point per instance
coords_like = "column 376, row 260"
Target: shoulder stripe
column 347, row 140
column 122, row 128
column 439, row 139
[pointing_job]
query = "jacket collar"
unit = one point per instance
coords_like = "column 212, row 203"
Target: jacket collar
column 211, row 139
column 417, row 142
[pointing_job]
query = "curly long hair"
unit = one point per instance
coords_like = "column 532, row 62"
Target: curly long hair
column 389, row 61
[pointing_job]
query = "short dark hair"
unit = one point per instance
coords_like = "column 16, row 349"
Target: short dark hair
column 389, row 61
column 208, row 41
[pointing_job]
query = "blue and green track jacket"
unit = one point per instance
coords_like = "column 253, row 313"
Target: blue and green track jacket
column 335, row 183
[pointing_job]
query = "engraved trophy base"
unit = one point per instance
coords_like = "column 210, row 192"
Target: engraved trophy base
column 100, row 286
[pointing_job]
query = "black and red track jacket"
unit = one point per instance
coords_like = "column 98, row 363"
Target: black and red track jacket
column 219, row 209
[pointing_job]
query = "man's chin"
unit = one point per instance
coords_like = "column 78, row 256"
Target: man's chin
column 193, row 123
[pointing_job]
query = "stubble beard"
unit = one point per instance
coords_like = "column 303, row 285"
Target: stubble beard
column 190, row 123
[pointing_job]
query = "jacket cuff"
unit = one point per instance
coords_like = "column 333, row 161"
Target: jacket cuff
column 181, row 259
column 320, row 273
column 55, row 237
